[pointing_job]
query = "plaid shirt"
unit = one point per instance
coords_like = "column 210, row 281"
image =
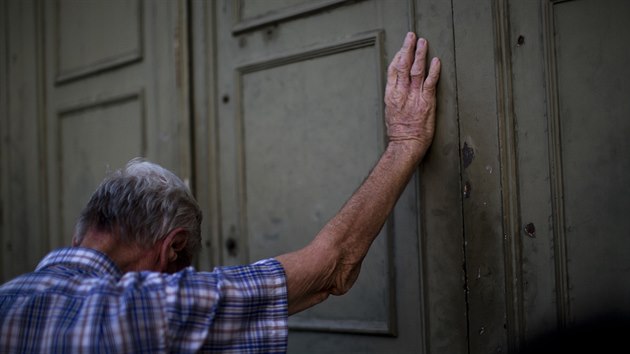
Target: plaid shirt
column 77, row 300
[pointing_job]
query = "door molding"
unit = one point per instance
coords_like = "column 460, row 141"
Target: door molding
column 113, row 61
column 273, row 17
column 509, row 176
column 555, row 164
column 369, row 39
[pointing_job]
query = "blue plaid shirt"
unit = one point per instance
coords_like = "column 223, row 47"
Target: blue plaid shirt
column 77, row 300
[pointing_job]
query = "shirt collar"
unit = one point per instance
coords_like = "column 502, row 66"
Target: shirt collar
column 85, row 258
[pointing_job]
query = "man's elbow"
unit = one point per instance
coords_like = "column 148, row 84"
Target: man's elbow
column 344, row 277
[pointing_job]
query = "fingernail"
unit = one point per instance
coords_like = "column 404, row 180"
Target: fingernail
column 409, row 39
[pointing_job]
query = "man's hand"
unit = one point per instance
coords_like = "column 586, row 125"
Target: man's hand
column 409, row 97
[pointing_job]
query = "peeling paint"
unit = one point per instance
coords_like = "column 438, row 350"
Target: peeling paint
column 467, row 190
column 530, row 230
column 468, row 155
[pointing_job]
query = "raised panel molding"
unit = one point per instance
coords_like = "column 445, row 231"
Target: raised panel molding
column 509, row 177
column 360, row 41
column 88, row 64
column 244, row 24
column 373, row 41
column 555, row 163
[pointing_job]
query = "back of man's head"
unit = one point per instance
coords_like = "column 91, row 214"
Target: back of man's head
column 141, row 203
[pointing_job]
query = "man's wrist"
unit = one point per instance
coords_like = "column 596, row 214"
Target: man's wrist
column 411, row 148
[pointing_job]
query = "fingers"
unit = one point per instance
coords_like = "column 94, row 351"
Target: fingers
column 419, row 64
column 408, row 69
column 406, row 53
column 434, row 75
column 398, row 71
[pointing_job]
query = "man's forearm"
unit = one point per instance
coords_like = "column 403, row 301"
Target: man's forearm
column 357, row 224
column 331, row 263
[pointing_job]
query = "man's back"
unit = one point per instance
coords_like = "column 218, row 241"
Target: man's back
column 78, row 300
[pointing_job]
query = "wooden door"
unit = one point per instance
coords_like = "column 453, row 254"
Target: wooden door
column 296, row 93
column 543, row 105
column 573, row 160
column 116, row 88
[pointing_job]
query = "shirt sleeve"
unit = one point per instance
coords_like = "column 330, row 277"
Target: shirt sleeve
column 237, row 309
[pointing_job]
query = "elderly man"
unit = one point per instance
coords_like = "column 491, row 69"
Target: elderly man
column 126, row 285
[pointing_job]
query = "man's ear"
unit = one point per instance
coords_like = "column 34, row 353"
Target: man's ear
column 172, row 246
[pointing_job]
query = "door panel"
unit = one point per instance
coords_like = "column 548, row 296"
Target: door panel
column 484, row 239
column 592, row 116
column 440, row 191
column 322, row 145
column 116, row 89
column 83, row 46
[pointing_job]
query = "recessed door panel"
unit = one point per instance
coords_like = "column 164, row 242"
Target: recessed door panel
column 305, row 149
column 593, row 111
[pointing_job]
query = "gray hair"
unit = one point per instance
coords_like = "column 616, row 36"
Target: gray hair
column 142, row 203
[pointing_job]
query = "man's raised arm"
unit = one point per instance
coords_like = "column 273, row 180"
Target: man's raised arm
column 330, row 264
